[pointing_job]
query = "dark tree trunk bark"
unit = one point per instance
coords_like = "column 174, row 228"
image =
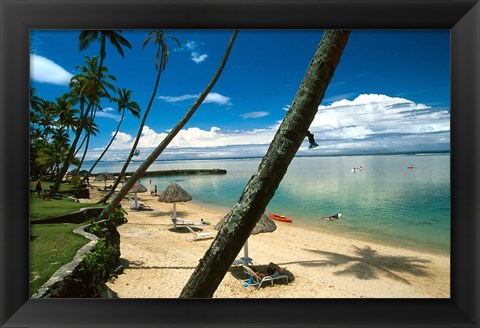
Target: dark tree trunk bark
column 261, row 187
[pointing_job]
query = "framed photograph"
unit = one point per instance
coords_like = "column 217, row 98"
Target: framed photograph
column 412, row 110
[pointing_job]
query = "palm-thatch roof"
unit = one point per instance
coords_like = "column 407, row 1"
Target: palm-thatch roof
column 82, row 173
column 138, row 187
column 174, row 194
column 104, row 177
column 265, row 224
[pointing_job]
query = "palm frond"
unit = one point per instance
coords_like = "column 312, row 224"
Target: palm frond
column 86, row 38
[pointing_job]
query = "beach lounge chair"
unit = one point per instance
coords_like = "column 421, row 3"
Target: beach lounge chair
column 143, row 207
column 140, row 206
column 57, row 195
column 176, row 222
column 200, row 235
column 255, row 280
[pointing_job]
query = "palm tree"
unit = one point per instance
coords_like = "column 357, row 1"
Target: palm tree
column 124, row 103
column 165, row 142
column 88, row 87
column 35, row 100
column 61, row 136
column 96, row 86
column 260, row 189
column 116, row 39
column 37, row 112
column 161, row 59
column 67, row 114
column 51, row 156
column 91, row 129
column 46, row 118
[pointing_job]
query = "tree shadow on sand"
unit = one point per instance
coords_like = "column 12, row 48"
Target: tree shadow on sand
column 366, row 264
column 183, row 229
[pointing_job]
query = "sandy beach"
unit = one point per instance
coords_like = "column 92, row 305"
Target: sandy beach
column 159, row 260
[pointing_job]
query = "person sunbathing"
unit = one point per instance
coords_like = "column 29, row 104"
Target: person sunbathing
column 271, row 269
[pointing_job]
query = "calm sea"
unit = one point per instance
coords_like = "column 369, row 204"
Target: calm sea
column 385, row 201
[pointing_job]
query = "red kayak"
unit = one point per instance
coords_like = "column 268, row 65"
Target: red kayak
column 280, row 218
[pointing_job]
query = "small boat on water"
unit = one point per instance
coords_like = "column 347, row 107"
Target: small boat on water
column 410, row 166
column 332, row 217
column 280, row 218
column 355, row 169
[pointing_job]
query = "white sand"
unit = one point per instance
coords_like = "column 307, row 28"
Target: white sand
column 160, row 260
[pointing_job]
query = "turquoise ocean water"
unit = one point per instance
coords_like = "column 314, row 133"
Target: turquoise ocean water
column 385, row 201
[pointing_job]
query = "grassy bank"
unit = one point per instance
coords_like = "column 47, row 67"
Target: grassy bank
column 44, row 209
column 51, row 246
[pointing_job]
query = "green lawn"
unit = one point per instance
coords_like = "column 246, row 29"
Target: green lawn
column 42, row 208
column 64, row 187
column 51, row 246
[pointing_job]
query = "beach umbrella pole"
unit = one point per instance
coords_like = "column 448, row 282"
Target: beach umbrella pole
column 245, row 250
column 174, row 216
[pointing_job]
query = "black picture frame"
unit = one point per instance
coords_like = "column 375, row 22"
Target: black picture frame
column 462, row 17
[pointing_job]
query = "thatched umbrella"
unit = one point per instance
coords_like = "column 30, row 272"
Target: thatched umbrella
column 123, row 179
column 137, row 187
column 265, row 224
column 83, row 173
column 174, row 194
column 104, row 177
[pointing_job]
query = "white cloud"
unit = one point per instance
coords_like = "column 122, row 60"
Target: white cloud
column 368, row 124
column 107, row 113
column 379, row 123
column 192, row 47
column 197, row 58
column 254, row 115
column 214, row 97
column 171, row 99
column 195, row 137
column 121, row 138
column 46, row 71
column 380, row 115
column 217, row 98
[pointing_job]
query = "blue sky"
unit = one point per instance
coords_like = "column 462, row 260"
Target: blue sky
column 390, row 92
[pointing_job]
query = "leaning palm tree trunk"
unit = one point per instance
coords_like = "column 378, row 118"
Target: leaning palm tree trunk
column 70, row 154
column 88, row 133
column 106, row 148
column 261, row 187
column 137, row 139
column 157, row 151
column 81, row 145
column 135, row 143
